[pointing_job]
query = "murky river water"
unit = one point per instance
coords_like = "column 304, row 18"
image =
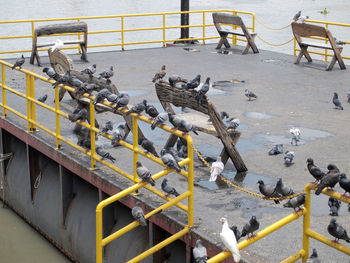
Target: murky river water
column 18, row 241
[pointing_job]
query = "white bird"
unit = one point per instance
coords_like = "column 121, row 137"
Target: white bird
column 295, row 135
column 302, row 19
column 57, row 45
column 216, row 169
column 228, row 238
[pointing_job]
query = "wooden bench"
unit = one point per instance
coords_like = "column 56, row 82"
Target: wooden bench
column 223, row 18
column 308, row 30
column 78, row 27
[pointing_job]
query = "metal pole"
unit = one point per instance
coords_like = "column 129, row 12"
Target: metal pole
column 185, row 18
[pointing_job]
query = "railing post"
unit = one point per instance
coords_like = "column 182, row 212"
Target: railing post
column 326, row 50
column 163, row 30
column 92, row 135
column 98, row 235
column 122, row 31
column 58, row 128
column 203, row 27
column 295, row 47
column 253, row 22
column 29, row 128
column 32, row 103
column 190, row 181
column 135, row 141
column 3, row 90
column 306, row 223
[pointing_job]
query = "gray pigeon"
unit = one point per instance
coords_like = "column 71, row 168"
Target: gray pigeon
column 268, row 191
column 86, row 143
column 277, row 149
column 100, row 96
column 107, row 127
column 250, row 227
column 151, row 111
column 104, row 154
column 169, row 160
column 232, row 123
column 118, row 134
column 344, row 183
column 160, row 119
column 334, row 206
column 339, row 42
column 250, row 95
column 176, row 79
column 148, row 146
column 137, row 214
column 86, row 88
column 315, row 171
column 181, row 148
column 236, row 232
column 51, row 73
column 337, row 231
column 329, row 180
column 62, row 79
column 200, row 253
column 138, row 108
column 160, row 74
column 175, row 121
column 203, row 90
column 107, row 74
column 169, row 190
column 43, row 98
column 283, row 189
column 295, row 202
column 193, row 83
column 78, row 114
column 288, row 157
column 90, row 70
column 76, row 82
column 314, row 257
column 19, row 62
column 112, row 98
column 297, row 15
column 122, row 101
column 337, row 102
column 173, row 152
column 186, row 127
column 144, row 174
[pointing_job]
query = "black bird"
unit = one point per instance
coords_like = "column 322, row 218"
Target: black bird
column 176, row 79
column 314, row 257
column 169, row 190
column 138, row 108
column 78, row 114
column 250, row 227
column 295, row 202
column 137, row 214
column 315, row 171
column 151, row 111
column 334, row 206
column 344, row 183
column 104, row 154
column 236, row 232
column 51, row 73
column 329, row 180
column 90, row 70
column 86, row 143
column 193, row 83
column 100, row 96
column 107, row 74
column 283, row 189
column 203, row 90
column 144, row 174
column 337, row 102
column 19, row 62
column 297, row 15
column 268, row 191
column 337, row 231
column 148, row 146
column 43, row 98
column 160, row 74
column 62, row 79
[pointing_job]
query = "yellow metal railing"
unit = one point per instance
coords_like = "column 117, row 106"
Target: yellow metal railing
column 307, row 232
column 32, row 124
column 122, row 29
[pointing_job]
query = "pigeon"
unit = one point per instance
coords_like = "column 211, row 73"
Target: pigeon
column 117, row 134
column 160, row 119
column 268, row 191
column 337, row 231
column 193, row 83
column 51, row 73
column 315, row 171
column 104, row 154
column 151, row 111
column 19, row 62
column 43, row 98
column 90, row 70
column 200, row 253
column 295, row 132
column 175, row 121
column 250, row 95
column 57, row 45
column 138, row 108
column 173, row 152
column 78, row 114
column 233, row 123
column 148, row 146
column 339, row 42
column 283, row 189
column 277, row 149
column 169, row 190
column 295, row 201
column 288, row 157
column 76, row 82
column 344, row 183
column 229, row 240
column 297, row 15
column 203, row 90
column 236, row 232
column 181, row 148
column 107, row 74
column 137, row 214
column 329, row 180
column 302, row 19
column 224, row 115
column 107, row 127
column 87, row 88
column 186, row 127
column 169, row 160
column 86, row 143
column 144, row 174
column 176, row 79
column 337, row 102
column 216, row 169
column 100, row 96
column 112, row 98
column 250, row 227
column 62, row 79
column 314, row 257
column 159, row 75
column 334, row 206
column 122, row 100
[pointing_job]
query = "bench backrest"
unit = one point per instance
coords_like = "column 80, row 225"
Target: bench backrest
column 228, row 19
column 76, row 27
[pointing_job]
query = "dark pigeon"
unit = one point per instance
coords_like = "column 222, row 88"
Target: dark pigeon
column 107, row 127
column 62, row 79
column 43, row 98
column 86, row 143
column 160, row 74
column 169, row 190
column 339, row 42
column 169, row 160
column 107, row 74
column 118, row 134
column 90, row 70
column 200, row 253
column 297, row 15
column 203, row 90
column 295, row 202
column 334, row 206
column 337, row 231
column 250, row 95
column 176, row 79
column 78, row 114
column 160, row 119
column 337, row 102
column 314, row 257
column 137, row 214
column 344, row 183
column 19, row 62
column 151, row 111
column 144, row 174
column 288, row 158
column 277, row 149
column 186, row 127
column 250, row 227
column 173, row 152
column 329, row 180
column 181, row 148
column 100, row 96
column 51, row 73
column 315, row 171
column 283, row 189
column 236, row 232
column 122, row 101
column 104, row 154
column 175, row 121
column 138, row 108
column 148, row 146
column 193, row 83
column 112, row 98
column 77, row 83
column 268, row 191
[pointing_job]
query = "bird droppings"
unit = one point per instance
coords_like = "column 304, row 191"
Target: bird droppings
column 136, row 92
column 258, row 115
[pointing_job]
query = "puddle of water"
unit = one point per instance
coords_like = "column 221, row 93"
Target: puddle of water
column 258, row 115
column 136, row 93
column 271, row 60
column 214, row 91
column 211, row 186
column 248, row 145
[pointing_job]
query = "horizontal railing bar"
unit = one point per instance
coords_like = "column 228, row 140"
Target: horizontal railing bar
column 294, row 257
column 14, row 111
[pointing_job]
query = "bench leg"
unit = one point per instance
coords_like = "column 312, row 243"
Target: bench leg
column 303, row 52
column 83, row 53
column 250, row 44
column 223, row 40
column 337, row 57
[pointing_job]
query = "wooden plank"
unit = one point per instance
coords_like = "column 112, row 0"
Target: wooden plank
column 75, row 27
column 235, row 136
